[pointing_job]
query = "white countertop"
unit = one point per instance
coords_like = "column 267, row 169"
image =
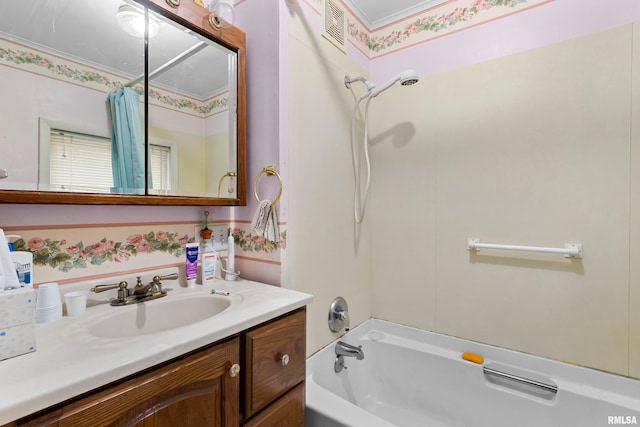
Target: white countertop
column 70, row 361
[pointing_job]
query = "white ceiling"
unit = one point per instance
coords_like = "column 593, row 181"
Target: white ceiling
column 378, row 13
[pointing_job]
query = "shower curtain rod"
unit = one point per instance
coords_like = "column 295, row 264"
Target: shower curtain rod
column 170, row 63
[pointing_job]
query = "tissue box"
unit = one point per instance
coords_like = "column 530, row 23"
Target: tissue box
column 17, row 322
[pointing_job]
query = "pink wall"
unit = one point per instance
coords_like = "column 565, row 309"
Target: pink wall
column 540, row 26
column 261, row 22
column 42, row 215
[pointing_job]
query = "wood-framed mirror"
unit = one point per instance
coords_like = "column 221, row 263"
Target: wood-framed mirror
column 88, row 104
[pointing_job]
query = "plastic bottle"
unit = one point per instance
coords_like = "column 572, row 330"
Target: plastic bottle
column 23, row 262
column 209, row 261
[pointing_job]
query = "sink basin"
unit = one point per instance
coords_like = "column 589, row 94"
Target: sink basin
column 157, row 316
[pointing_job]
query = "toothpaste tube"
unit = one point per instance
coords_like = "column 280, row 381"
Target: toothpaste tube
column 191, row 267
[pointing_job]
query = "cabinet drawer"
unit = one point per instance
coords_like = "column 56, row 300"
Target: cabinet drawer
column 275, row 360
column 288, row 411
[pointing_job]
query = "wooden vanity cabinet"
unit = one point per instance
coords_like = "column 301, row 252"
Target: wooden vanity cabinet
column 275, row 366
column 288, row 411
column 194, row 391
column 201, row 388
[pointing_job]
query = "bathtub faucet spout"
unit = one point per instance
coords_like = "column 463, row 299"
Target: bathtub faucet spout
column 344, row 349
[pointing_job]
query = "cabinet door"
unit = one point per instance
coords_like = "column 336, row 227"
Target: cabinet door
column 275, row 359
column 195, row 391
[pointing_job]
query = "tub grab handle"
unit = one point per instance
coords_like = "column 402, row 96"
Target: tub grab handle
column 546, row 387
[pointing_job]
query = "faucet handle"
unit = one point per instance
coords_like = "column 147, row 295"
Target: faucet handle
column 157, row 279
column 123, row 291
column 101, row 288
column 344, row 316
column 339, row 315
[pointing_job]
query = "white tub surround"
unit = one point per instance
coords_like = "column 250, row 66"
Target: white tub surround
column 411, row 377
column 70, row 360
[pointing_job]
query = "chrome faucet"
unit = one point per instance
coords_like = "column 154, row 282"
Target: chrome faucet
column 343, row 349
column 139, row 293
column 140, row 289
column 153, row 287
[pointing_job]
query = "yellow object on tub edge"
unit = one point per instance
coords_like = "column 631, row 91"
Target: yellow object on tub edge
column 471, row 357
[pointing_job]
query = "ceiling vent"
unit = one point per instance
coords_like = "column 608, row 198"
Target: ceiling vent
column 334, row 24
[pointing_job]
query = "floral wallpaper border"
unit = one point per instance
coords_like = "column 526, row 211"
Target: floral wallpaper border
column 433, row 23
column 252, row 243
column 42, row 63
column 74, row 253
column 65, row 256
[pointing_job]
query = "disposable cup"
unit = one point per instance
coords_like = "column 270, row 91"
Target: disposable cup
column 49, row 314
column 76, row 302
column 48, row 295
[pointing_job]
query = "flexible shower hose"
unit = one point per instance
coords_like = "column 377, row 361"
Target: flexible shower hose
column 359, row 207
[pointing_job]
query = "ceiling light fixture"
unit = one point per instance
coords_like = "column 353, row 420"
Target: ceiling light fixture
column 131, row 20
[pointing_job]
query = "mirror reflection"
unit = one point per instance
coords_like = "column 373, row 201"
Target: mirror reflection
column 189, row 78
column 73, row 76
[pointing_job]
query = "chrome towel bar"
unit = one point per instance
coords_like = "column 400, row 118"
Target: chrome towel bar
column 546, row 387
column 570, row 250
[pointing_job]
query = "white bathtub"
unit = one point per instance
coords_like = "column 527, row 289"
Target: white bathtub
column 416, row 378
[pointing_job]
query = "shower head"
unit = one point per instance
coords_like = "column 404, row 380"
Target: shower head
column 406, row 78
column 411, row 80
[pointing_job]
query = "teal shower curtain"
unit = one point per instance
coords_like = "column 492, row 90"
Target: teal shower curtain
column 127, row 143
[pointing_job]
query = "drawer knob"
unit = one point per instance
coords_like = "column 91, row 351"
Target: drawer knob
column 284, row 359
column 234, row 370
